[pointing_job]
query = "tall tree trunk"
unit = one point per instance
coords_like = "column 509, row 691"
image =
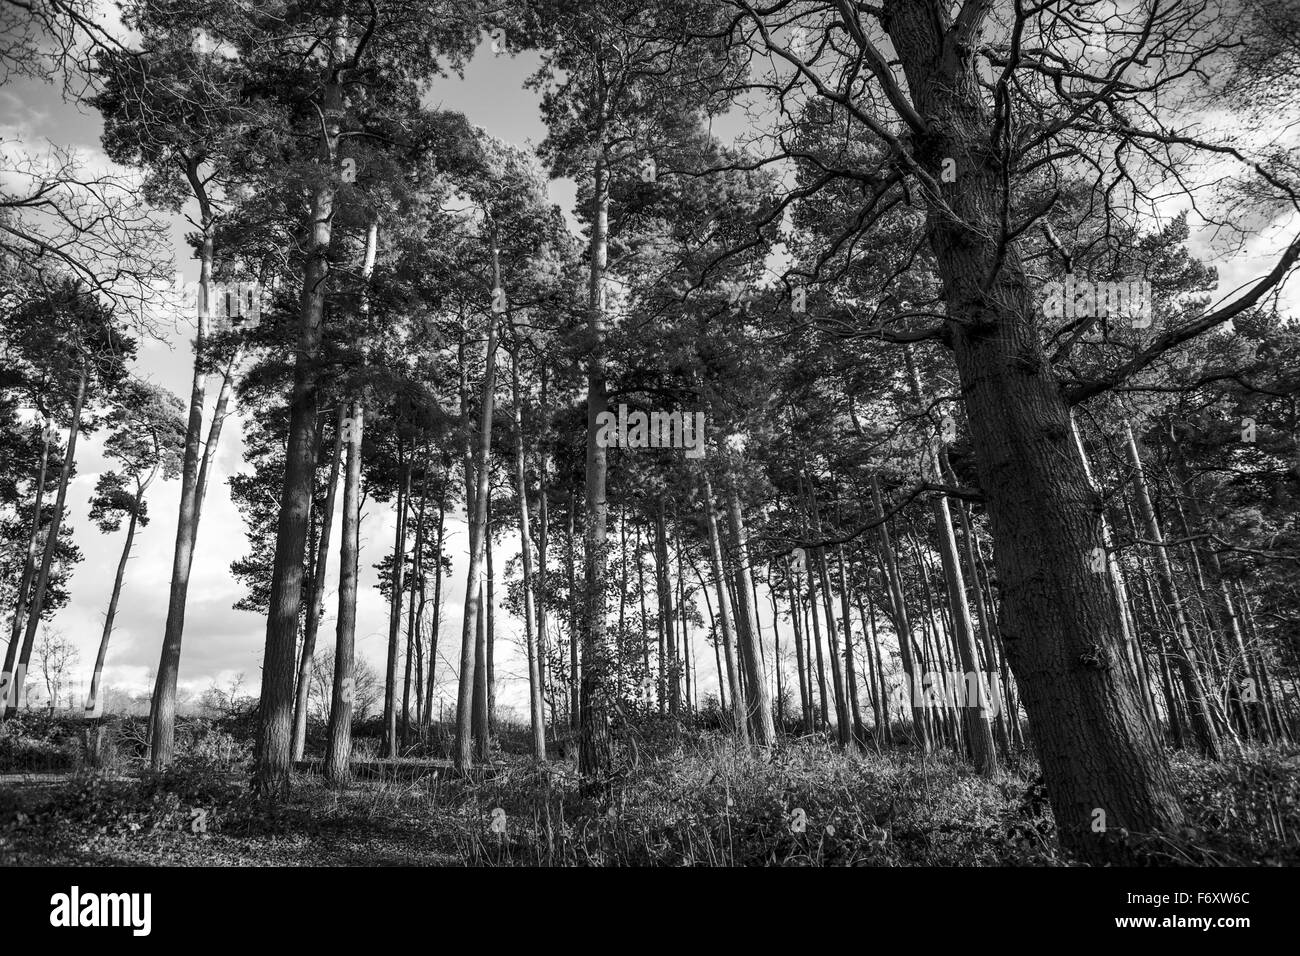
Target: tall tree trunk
column 1116, row 574
column 162, row 711
column 776, row 652
column 338, row 750
column 274, row 750
column 412, row 617
column 739, row 708
column 805, row 684
column 823, row 697
column 850, row 669
column 11, row 682
column 314, row 609
column 902, row 622
column 480, row 719
column 435, row 626
column 1207, row 735
column 389, row 747
column 645, row 631
column 663, row 586
column 477, row 538
column 536, row 714
column 543, row 533
column 1061, row 629
column 92, row 701
column 983, row 750
column 594, row 751
column 490, row 631
column 56, row 525
column 759, row 707
column 575, row 624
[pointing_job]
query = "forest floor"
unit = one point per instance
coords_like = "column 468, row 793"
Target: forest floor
column 679, row 798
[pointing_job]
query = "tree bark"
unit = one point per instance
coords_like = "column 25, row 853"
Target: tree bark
column 388, row 746
column 312, row 624
column 739, row 707
column 162, row 711
column 536, row 714
column 92, row 700
column 338, row 751
column 759, row 707
column 1203, row 728
column 463, row 756
column 9, row 680
column 274, row 750
column 56, row 525
column 902, row 622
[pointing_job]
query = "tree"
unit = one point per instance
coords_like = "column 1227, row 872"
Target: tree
column 147, row 438
column 55, row 656
column 950, row 145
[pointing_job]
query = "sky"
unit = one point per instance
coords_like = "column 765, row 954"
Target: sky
column 221, row 643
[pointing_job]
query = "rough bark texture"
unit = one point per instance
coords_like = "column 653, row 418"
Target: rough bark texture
column 1062, row 630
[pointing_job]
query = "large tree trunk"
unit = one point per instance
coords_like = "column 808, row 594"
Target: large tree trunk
column 274, row 751
column 1062, row 627
column 338, row 751
column 594, row 750
column 314, row 609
